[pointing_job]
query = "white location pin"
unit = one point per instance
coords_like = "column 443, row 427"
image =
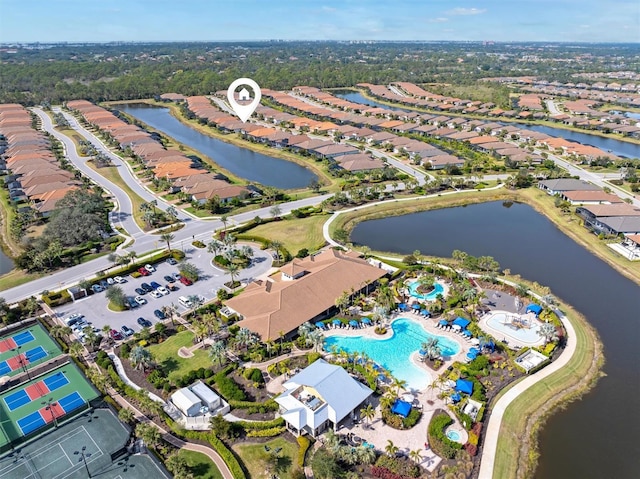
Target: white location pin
column 244, row 111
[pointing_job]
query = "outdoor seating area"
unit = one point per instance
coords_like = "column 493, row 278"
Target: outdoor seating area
column 345, row 324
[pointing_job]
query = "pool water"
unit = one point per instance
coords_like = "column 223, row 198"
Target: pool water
column 393, row 353
column 413, row 291
column 525, row 335
column 453, row 435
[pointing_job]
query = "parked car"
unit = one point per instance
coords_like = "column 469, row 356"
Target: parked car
column 139, row 299
column 97, row 288
column 73, row 319
column 159, row 314
column 127, row 331
column 162, row 290
column 140, row 291
column 155, row 285
column 110, row 281
column 143, row 272
column 104, row 284
column 186, row 281
column 177, row 276
column 149, row 268
column 147, row 287
column 145, row 323
column 155, row 294
column 80, row 325
column 172, row 286
column 168, row 279
column 119, row 279
column 172, row 261
column 115, row 335
column 132, row 302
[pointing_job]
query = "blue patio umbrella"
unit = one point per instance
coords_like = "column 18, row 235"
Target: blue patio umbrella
column 462, row 322
column 443, row 322
column 466, row 332
column 422, row 352
column 320, row 325
column 402, row 306
column 401, row 407
column 455, row 397
column 464, row 386
column 474, row 350
column 471, row 355
column 353, row 322
column 425, row 312
column 382, row 377
column 415, row 306
column 366, row 321
column 336, row 322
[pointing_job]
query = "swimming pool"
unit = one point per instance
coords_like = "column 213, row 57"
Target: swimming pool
column 438, row 289
column 393, row 353
column 453, row 435
column 501, row 323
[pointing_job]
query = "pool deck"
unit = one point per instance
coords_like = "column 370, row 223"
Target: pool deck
column 499, row 334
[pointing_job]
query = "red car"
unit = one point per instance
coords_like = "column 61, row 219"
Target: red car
column 115, row 335
column 143, row 272
column 186, row 281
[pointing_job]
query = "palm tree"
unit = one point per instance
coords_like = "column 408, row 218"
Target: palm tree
column 167, row 238
column 233, row 269
column 470, row 294
column 148, row 433
column 549, row 332
column 244, row 337
column 178, row 466
column 432, row 348
column 76, row 349
column 218, row 352
column 522, row 290
column 415, row 456
column 172, row 212
column 316, row 338
column 211, row 322
column 132, row 255
column 126, row 415
column 368, row 413
column 391, row 449
column 214, row 247
column 276, row 246
column 141, row 358
column 397, row 385
column 342, row 302
column 200, row 330
column 365, row 455
column 385, row 298
column 225, row 220
column 303, row 331
column 59, row 332
column 196, row 300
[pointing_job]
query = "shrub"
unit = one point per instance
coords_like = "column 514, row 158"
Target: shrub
column 473, row 439
column 135, row 274
column 198, row 244
column 313, row 357
column 125, row 349
column 227, row 387
column 401, row 467
column 440, row 443
column 271, row 432
column 304, row 443
column 260, row 425
column 471, row 449
column 253, row 375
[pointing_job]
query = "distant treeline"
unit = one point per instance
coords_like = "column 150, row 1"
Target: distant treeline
column 129, row 71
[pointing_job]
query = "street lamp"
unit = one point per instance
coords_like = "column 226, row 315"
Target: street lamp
column 83, row 457
column 23, row 365
column 49, row 403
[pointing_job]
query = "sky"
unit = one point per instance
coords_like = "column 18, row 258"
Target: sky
column 230, row 20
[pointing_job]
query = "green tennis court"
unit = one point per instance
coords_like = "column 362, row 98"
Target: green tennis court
column 44, row 400
column 26, row 348
column 91, row 438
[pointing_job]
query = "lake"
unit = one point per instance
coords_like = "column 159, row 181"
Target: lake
column 595, row 437
column 617, row 147
column 6, row 264
column 242, row 162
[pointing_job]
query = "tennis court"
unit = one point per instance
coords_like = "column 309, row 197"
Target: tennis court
column 33, row 405
column 58, row 454
column 26, row 348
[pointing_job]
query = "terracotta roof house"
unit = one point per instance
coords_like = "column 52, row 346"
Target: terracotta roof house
column 590, row 197
column 319, row 397
column 359, row 162
column 336, row 149
column 304, row 290
column 441, row 161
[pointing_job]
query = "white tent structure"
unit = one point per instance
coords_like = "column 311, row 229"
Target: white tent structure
column 320, row 396
column 206, row 395
column 187, row 402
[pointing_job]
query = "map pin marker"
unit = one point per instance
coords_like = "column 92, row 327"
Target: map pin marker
column 244, row 111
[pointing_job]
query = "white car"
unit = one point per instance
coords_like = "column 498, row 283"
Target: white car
column 110, row 281
column 149, row 268
column 119, row 279
column 162, row 290
column 155, row 294
column 140, row 300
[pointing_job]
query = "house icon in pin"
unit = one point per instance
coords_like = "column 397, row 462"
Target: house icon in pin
column 244, row 95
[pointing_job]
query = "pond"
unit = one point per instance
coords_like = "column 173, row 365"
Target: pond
column 242, row 162
column 603, row 425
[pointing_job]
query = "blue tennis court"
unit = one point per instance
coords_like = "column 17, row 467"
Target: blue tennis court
column 35, row 354
column 71, row 402
column 4, row 368
column 17, row 399
column 31, row 422
column 56, row 381
column 23, row 338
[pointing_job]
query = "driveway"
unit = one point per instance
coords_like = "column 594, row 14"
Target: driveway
column 95, row 310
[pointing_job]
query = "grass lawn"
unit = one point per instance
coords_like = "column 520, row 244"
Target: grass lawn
column 75, row 137
column 111, row 173
column 17, row 277
column 200, row 465
column 294, row 234
column 254, row 457
column 7, row 213
column 166, row 354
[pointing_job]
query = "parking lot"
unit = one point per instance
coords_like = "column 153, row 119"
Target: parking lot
column 94, row 308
